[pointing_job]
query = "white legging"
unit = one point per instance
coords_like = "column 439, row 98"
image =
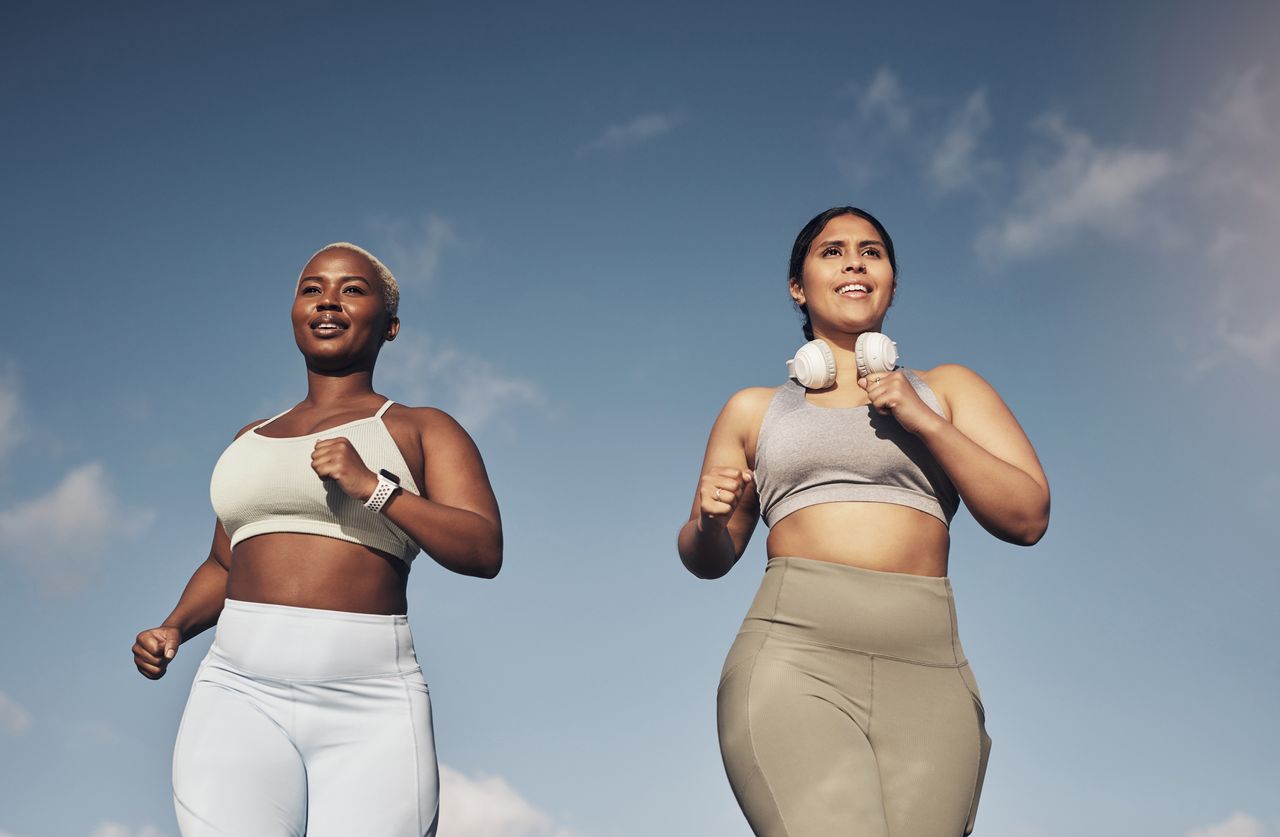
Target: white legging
column 307, row 722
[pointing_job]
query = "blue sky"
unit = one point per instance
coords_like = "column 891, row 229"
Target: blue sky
column 589, row 210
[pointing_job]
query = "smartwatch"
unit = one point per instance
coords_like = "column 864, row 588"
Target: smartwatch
column 388, row 484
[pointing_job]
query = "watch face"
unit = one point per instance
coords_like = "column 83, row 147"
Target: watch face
column 389, row 475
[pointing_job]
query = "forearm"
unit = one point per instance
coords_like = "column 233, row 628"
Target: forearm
column 1003, row 498
column 456, row 539
column 706, row 552
column 201, row 601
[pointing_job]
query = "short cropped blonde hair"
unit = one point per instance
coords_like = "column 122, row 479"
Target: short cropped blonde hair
column 390, row 288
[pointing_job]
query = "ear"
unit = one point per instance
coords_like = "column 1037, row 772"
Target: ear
column 393, row 328
column 797, row 290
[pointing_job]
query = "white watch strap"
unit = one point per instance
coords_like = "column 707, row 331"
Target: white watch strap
column 381, row 494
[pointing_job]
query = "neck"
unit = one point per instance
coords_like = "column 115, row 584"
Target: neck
column 338, row 387
column 843, row 348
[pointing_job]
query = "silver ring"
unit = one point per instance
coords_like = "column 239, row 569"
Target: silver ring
column 717, row 496
column 876, row 379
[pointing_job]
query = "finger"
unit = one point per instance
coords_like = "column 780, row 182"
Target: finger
column 143, row 657
column 150, row 642
column 170, row 647
column 154, row 672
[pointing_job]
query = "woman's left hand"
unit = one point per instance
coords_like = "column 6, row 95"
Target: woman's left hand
column 892, row 395
column 337, row 460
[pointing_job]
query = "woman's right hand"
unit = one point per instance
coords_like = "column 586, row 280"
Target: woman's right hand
column 153, row 650
column 719, row 493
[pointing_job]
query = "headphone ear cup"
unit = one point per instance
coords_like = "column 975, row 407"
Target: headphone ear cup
column 814, row 366
column 875, row 354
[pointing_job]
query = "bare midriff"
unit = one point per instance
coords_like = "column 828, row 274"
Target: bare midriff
column 873, row 536
column 298, row 570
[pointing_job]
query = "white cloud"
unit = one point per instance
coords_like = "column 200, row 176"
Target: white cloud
column 1237, row 825
column 489, row 807
column 115, row 829
column 10, row 432
column 882, row 99
column 58, row 537
column 1083, row 189
column 954, row 163
column 470, row 388
column 1233, row 182
column 637, row 131
column 413, row 249
column 877, row 131
column 14, row 720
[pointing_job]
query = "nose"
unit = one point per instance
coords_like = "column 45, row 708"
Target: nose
column 855, row 264
column 328, row 300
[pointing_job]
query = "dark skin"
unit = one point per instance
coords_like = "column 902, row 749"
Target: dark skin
column 340, row 322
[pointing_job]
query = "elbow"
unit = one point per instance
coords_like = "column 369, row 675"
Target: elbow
column 1032, row 528
column 706, row 573
column 489, row 562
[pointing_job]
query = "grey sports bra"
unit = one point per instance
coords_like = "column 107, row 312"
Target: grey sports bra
column 806, row 455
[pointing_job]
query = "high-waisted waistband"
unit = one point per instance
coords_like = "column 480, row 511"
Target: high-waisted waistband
column 907, row 617
column 301, row 643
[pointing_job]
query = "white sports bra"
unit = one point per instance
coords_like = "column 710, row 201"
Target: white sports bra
column 263, row 484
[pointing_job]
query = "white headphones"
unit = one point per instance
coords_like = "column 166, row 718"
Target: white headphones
column 814, row 366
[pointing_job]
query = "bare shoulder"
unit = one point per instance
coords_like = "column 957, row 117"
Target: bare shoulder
column 954, row 384
column 433, row 425
column 248, row 427
column 748, row 405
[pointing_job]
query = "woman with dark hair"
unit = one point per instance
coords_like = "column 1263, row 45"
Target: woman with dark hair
column 310, row 714
column 846, row 705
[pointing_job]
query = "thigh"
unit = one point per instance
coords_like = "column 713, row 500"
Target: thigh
column 931, row 743
column 795, row 751
column 235, row 770
column 371, row 759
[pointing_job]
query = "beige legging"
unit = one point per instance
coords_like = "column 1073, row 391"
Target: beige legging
column 846, row 707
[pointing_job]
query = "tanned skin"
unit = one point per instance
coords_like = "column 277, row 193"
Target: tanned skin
column 455, row 521
column 978, row 442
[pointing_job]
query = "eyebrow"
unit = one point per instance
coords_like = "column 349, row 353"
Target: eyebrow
column 841, row 242
column 340, row 279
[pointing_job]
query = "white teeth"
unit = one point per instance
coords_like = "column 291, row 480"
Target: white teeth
column 851, row 288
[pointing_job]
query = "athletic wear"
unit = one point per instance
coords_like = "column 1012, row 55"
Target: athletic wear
column 263, row 484
column 307, row 722
column 808, row 455
column 846, row 706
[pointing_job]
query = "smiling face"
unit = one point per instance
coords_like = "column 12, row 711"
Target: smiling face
column 340, row 317
column 846, row 282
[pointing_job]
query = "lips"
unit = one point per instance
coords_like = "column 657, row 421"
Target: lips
column 328, row 325
column 856, row 290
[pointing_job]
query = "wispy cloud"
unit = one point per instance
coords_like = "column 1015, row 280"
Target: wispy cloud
column 1237, row 825
column 413, row 249
column 877, row 131
column 1081, row 187
column 954, row 164
column 115, row 829
column 472, row 389
column 10, row 431
column 634, row 132
column 14, row 720
column 489, row 807
column 59, row 537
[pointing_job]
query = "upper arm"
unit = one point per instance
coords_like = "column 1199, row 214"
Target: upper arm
column 453, row 472
column 979, row 412
column 729, row 445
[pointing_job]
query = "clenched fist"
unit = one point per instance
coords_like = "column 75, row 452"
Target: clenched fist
column 154, row 648
column 719, row 492
column 337, row 460
column 893, row 395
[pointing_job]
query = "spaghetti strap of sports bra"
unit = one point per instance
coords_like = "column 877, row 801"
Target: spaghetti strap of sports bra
column 378, row 415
